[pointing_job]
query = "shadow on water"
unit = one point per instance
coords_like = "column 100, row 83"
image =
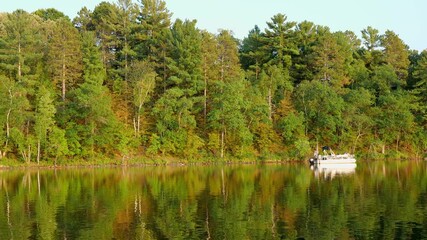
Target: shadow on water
column 373, row 200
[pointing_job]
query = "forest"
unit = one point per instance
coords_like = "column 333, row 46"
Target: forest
column 123, row 80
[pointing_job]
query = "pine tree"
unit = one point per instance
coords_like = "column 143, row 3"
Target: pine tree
column 104, row 17
column 305, row 37
column 152, row 36
column 278, row 37
column 84, row 20
column 64, row 56
column 95, row 123
column 420, row 76
column 185, row 60
column 20, row 54
column 396, row 54
column 209, row 55
column 280, row 48
column 371, row 38
column 20, row 46
column 176, row 109
column 253, row 52
column 371, row 54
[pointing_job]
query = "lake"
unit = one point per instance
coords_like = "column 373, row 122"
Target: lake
column 376, row 200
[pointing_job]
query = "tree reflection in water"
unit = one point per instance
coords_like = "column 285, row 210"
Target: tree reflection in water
column 375, row 200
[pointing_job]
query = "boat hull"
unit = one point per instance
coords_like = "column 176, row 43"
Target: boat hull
column 335, row 159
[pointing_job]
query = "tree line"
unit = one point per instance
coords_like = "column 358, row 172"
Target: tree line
column 124, row 79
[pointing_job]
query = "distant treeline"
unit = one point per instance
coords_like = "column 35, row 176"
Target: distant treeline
column 124, row 80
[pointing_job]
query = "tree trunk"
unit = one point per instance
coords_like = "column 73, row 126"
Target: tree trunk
column 256, row 70
column 355, row 142
column 29, row 153
column 92, row 142
column 63, row 78
column 38, row 152
column 223, row 135
column 205, row 94
column 138, row 120
column 135, row 132
column 126, row 55
column 270, row 104
column 164, row 70
column 397, row 142
column 19, row 62
column 7, row 123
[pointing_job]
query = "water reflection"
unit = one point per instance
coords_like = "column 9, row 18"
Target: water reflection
column 332, row 170
column 379, row 200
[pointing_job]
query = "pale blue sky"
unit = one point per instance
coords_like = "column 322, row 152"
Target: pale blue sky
column 407, row 18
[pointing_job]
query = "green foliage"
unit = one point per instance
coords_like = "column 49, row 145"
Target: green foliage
column 125, row 80
column 58, row 146
column 358, row 116
column 322, row 108
column 64, row 56
column 231, row 202
column 44, row 118
column 50, row 14
column 395, row 119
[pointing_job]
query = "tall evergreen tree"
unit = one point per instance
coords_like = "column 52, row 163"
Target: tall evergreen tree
column 209, row 55
column 278, row 36
column 253, row 52
column 84, row 20
column 21, row 54
column 371, row 54
column 371, row 38
column 305, row 37
column 65, row 56
column 396, row 54
column 332, row 56
column 420, row 90
column 127, row 13
column 151, row 37
column 185, row 60
column 19, row 46
column 280, row 48
column 95, row 123
column 104, row 18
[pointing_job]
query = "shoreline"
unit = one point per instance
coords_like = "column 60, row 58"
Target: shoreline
column 179, row 163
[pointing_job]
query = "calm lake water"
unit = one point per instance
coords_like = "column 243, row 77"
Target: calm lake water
column 291, row 201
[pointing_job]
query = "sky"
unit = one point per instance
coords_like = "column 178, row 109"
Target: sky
column 407, row 18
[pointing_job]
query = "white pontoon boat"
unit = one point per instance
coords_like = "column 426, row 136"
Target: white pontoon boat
column 329, row 157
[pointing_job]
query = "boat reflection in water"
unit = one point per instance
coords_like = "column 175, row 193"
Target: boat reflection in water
column 332, row 170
